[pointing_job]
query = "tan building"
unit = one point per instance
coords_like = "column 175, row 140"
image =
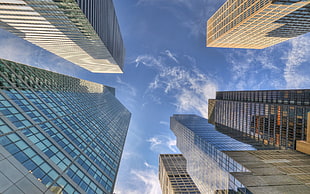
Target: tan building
column 273, row 171
column 257, row 24
column 84, row 32
column 173, row 176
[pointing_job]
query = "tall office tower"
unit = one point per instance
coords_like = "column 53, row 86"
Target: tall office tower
column 220, row 164
column 173, row 176
column 203, row 147
column 273, row 117
column 257, row 24
column 58, row 134
column 84, row 32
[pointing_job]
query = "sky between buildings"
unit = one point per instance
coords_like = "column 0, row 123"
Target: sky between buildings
column 169, row 70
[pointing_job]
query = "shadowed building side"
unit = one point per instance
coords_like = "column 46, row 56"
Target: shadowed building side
column 173, row 176
column 58, row 133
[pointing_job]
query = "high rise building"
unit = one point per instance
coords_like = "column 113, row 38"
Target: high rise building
column 273, row 171
column 257, row 24
column 218, row 163
column 173, row 176
column 203, row 147
column 58, row 134
column 84, row 32
column 275, row 118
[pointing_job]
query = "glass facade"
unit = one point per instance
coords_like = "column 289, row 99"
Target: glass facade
column 84, row 32
column 257, row 24
column 68, row 133
column 173, row 176
column 276, row 118
column 203, row 147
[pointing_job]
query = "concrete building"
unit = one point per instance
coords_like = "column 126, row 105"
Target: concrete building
column 257, row 24
column 84, row 32
column 173, row 176
column 276, row 118
column 58, row 134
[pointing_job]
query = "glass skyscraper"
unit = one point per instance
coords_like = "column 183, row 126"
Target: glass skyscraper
column 58, row 134
column 203, row 147
column 257, row 24
column 276, row 118
column 173, row 176
column 218, row 163
column 84, row 32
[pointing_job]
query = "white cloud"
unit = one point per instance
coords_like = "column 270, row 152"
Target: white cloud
column 297, row 70
column 148, row 61
column 277, row 67
column 171, row 56
column 145, row 181
column 164, row 123
column 154, row 142
column 163, row 144
column 190, row 88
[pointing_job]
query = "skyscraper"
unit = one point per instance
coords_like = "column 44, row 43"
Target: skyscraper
column 273, row 117
column 173, row 176
column 84, row 32
column 203, row 147
column 58, row 133
column 257, row 24
column 220, row 164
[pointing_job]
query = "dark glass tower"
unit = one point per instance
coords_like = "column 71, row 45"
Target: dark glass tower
column 275, row 118
column 58, row 133
column 84, row 32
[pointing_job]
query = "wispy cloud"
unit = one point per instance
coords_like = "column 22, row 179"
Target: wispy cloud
column 148, row 61
column 164, row 123
column 182, row 81
column 278, row 67
column 171, row 55
column 297, row 66
column 145, row 181
column 162, row 144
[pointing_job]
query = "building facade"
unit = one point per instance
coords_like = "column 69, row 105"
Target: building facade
column 257, row 24
column 275, row 118
column 273, row 171
column 58, row 134
column 84, row 32
column 203, row 147
column 173, row 176
column 218, row 163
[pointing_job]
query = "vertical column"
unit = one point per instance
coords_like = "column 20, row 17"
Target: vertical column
column 304, row 146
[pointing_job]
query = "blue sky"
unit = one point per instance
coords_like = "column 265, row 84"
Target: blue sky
column 169, row 70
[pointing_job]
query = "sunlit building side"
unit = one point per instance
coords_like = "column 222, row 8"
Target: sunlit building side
column 84, row 32
column 218, row 163
column 257, row 24
column 203, row 147
column 58, row 134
